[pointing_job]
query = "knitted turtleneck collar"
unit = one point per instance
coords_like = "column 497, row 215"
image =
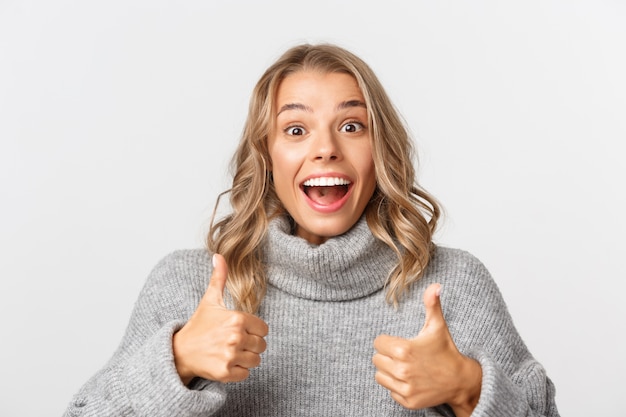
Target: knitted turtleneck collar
column 345, row 267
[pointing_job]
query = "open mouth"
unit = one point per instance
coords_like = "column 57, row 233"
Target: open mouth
column 326, row 190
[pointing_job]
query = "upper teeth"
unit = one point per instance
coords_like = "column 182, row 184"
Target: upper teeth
column 325, row 182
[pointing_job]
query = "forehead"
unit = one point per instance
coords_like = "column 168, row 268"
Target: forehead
column 317, row 87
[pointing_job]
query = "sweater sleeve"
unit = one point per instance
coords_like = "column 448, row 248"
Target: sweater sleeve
column 514, row 383
column 141, row 379
column 528, row 392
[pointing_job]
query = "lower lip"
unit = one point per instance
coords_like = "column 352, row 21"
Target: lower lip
column 330, row 208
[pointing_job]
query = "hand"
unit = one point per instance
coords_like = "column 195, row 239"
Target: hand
column 428, row 370
column 217, row 343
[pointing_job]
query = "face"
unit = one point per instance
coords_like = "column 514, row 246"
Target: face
column 321, row 153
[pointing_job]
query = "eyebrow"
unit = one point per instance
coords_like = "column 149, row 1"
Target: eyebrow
column 351, row 103
column 343, row 105
column 294, row 106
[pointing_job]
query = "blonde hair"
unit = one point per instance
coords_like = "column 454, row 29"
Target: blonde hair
column 400, row 213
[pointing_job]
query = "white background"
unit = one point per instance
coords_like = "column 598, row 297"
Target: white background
column 118, row 120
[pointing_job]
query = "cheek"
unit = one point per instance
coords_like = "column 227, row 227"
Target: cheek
column 371, row 182
column 367, row 167
column 284, row 170
column 281, row 165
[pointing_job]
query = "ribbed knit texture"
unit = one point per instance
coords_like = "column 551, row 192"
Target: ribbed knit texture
column 325, row 305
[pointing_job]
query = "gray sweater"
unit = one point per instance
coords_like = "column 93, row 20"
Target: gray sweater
column 325, row 305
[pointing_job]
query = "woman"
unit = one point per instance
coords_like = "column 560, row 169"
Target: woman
column 326, row 293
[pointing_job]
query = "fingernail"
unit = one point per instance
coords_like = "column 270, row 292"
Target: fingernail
column 213, row 260
column 438, row 292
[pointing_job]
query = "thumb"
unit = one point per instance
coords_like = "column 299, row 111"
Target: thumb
column 215, row 291
column 434, row 313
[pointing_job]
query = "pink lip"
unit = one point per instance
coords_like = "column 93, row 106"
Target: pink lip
column 330, row 208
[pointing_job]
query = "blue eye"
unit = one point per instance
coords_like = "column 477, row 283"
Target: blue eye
column 352, row 127
column 295, row 131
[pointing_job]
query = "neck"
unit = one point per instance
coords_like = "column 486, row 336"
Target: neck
column 344, row 267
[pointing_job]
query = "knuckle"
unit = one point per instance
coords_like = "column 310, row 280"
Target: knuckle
column 222, row 374
column 401, row 351
column 403, row 372
column 230, row 356
column 244, row 374
column 411, row 397
column 406, row 391
column 399, row 399
column 413, row 403
column 234, row 339
column 237, row 375
column 406, row 402
column 237, row 319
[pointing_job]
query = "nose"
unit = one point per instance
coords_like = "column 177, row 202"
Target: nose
column 326, row 147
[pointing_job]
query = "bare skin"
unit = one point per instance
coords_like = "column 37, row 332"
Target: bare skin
column 218, row 344
column 428, row 370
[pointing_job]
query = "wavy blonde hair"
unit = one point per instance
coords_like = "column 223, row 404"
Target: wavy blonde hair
column 400, row 213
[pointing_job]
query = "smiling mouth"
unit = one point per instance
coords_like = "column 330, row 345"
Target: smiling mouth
column 326, row 190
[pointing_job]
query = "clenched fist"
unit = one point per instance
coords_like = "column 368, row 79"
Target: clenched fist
column 428, row 370
column 217, row 343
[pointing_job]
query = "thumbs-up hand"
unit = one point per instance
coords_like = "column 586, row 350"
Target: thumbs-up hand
column 217, row 343
column 428, row 370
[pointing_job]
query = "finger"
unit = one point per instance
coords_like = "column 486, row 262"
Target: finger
column 392, row 346
column 215, row 291
column 399, row 391
column 434, row 313
column 386, row 380
column 384, row 364
column 403, row 401
column 255, row 344
column 248, row 360
column 236, row 374
column 256, row 326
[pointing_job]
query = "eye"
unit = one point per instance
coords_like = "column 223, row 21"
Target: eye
column 295, row 131
column 352, row 127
